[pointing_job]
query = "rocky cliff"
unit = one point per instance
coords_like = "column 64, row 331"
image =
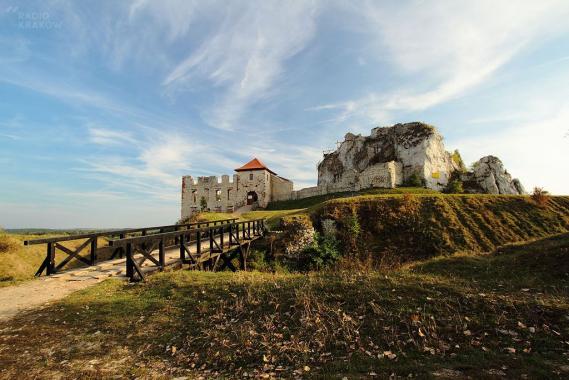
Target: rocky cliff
column 489, row 176
column 392, row 156
column 412, row 148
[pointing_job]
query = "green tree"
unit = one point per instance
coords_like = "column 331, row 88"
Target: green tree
column 454, row 187
column 414, row 180
column 203, row 203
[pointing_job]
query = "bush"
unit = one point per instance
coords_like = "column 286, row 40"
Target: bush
column 414, row 180
column 323, row 252
column 540, row 196
column 203, row 203
column 258, row 261
column 457, row 159
column 8, row 243
column 454, row 187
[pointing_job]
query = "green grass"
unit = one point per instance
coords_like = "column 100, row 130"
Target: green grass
column 313, row 201
column 463, row 314
column 424, row 225
column 213, row 216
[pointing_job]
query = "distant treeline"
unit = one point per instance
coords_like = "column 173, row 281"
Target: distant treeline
column 50, row 231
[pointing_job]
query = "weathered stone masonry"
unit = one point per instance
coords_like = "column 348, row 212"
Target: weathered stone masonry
column 387, row 158
column 253, row 184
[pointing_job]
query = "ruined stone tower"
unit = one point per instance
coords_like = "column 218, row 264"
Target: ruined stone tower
column 253, row 184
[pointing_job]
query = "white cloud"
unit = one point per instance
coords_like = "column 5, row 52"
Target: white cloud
column 444, row 49
column 246, row 56
column 104, row 136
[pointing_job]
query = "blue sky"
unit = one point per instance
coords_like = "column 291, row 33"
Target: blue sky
column 105, row 105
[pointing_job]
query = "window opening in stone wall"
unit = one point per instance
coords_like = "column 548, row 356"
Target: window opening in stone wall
column 228, row 194
column 251, row 177
column 218, row 195
column 194, row 196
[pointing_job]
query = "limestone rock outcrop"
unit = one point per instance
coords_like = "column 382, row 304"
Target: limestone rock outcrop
column 388, row 158
column 392, row 156
column 489, row 176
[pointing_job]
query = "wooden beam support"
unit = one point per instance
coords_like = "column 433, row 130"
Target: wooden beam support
column 93, row 251
column 129, row 262
column 161, row 254
column 182, row 248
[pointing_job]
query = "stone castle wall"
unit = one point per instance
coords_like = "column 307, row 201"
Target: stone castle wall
column 227, row 195
column 386, row 158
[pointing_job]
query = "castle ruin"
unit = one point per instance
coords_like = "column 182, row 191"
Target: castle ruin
column 253, row 184
column 387, row 158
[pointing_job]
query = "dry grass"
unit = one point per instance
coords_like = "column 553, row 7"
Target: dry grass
column 20, row 263
column 8, row 243
column 467, row 315
column 421, row 226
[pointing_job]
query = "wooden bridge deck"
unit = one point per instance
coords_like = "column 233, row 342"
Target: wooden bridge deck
column 117, row 267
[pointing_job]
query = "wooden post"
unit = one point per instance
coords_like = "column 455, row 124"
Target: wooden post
column 161, row 254
column 182, row 247
column 121, row 236
column 243, row 229
column 199, row 242
column 50, row 269
column 241, row 258
column 94, row 250
column 230, row 234
column 129, row 263
column 210, row 240
column 249, row 229
column 222, row 228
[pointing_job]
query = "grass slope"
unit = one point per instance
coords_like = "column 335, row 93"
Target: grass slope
column 314, row 201
column 504, row 314
column 427, row 225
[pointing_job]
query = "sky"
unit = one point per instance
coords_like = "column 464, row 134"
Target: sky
column 105, row 105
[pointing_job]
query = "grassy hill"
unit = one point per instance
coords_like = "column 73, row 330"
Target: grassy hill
column 405, row 222
column 426, row 225
column 503, row 314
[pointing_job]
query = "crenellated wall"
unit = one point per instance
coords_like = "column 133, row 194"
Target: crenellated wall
column 228, row 194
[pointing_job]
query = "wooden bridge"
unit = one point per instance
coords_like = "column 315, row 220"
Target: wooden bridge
column 205, row 245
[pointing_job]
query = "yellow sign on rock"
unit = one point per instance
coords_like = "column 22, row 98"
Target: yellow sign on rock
column 436, row 175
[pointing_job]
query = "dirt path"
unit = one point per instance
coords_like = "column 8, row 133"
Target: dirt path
column 38, row 292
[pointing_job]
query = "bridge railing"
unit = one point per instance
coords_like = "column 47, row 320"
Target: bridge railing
column 91, row 244
column 200, row 247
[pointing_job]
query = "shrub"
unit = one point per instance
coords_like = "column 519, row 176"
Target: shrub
column 351, row 232
column 414, row 180
column 8, row 243
column 258, row 261
column 323, row 252
column 540, row 196
column 203, row 203
column 457, row 159
column 454, row 187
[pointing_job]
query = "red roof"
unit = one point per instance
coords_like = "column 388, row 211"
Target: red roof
column 254, row 164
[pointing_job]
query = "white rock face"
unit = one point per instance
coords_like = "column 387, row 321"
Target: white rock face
column 489, row 176
column 388, row 157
